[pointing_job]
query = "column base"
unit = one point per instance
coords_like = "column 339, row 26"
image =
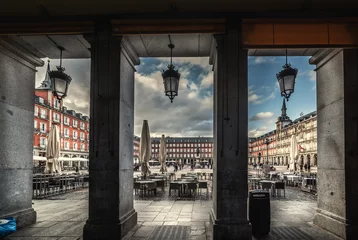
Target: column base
column 103, row 230
column 23, row 218
column 335, row 224
column 230, row 230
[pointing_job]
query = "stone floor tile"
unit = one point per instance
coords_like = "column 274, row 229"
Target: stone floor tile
column 54, row 230
column 171, row 223
column 152, row 223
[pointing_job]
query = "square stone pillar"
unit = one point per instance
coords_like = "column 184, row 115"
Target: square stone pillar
column 17, row 97
column 111, row 210
column 337, row 126
column 230, row 189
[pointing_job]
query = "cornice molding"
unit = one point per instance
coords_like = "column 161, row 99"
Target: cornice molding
column 323, row 56
column 15, row 50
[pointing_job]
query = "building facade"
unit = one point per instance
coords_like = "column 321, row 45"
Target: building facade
column 136, row 141
column 276, row 149
column 187, row 150
column 74, row 127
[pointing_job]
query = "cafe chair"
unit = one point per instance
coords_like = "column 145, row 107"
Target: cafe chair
column 204, row 185
column 174, row 186
column 152, row 187
column 280, row 186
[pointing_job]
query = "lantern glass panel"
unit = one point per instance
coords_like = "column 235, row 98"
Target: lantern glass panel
column 171, row 84
column 289, row 82
column 60, row 86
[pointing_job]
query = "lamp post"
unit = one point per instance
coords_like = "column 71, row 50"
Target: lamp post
column 267, row 142
column 259, row 157
column 60, row 80
column 286, row 79
column 171, row 78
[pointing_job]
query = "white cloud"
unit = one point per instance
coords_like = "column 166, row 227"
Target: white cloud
column 190, row 114
column 310, row 74
column 260, row 60
column 261, row 116
column 207, row 81
column 254, row 98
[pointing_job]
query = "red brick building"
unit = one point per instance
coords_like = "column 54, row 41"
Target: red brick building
column 74, row 127
column 185, row 150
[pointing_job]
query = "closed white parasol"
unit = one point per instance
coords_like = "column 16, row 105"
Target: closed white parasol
column 293, row 153
column 145, row 149
column 162, row 155
column 53, row 151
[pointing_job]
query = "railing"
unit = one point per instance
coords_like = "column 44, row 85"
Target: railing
column 45, row 185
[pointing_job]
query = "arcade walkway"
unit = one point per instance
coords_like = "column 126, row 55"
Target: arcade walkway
column 64, row 220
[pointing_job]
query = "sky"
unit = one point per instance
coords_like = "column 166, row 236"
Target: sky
column 191, row 113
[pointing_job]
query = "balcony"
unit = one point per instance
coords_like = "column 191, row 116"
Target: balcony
column 42, row 145
column 43, row 116
column 56, row 120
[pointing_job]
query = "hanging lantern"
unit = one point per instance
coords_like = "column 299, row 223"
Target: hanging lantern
column 60, row 80
column 171, row 78
column 286, row 79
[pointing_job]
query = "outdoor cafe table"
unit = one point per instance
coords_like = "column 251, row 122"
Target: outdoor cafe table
column 272, row 185
column 292, row 178
column 143, row 183
column 254, row 181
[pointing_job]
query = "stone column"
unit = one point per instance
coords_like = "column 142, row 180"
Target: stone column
column 337, row 97
column 111, row 210
column 230, row 189
column 17, row 97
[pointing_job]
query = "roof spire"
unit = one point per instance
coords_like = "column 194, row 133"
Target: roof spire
column 46, row 83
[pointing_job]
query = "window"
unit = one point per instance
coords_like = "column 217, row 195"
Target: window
column 43, row 113
column 66, row 120
column 82, row 125
column 36, row 112
column 56, row 117
column 56, row 104
column 75, row 123
column 43, row 141
column 35, row 124
column 65, row 132
column 75, row 146
column 82, row 147
column 41, row 100
column 42, row 127
column 66, row 145
column 82, row 136
column 87, row 137
column 74, row 134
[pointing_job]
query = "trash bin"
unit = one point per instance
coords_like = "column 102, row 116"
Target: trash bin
column 259, row 212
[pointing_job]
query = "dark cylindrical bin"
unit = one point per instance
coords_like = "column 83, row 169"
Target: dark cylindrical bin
column 259, row 212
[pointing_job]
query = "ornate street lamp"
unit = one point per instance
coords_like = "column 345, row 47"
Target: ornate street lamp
column 60, row 80
column 286, row 79
column 171, row 78
column 267, row 142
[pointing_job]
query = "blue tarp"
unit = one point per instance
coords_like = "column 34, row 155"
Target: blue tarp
column 7, row 226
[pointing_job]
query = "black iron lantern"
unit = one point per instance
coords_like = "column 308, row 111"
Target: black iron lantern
column 60, row 80
column 286, row 79
column 171, row 78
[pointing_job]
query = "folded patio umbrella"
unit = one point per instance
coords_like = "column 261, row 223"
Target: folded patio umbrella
column 53, row 151
column 145, row 149
column 293, row 152
column 162, row 155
